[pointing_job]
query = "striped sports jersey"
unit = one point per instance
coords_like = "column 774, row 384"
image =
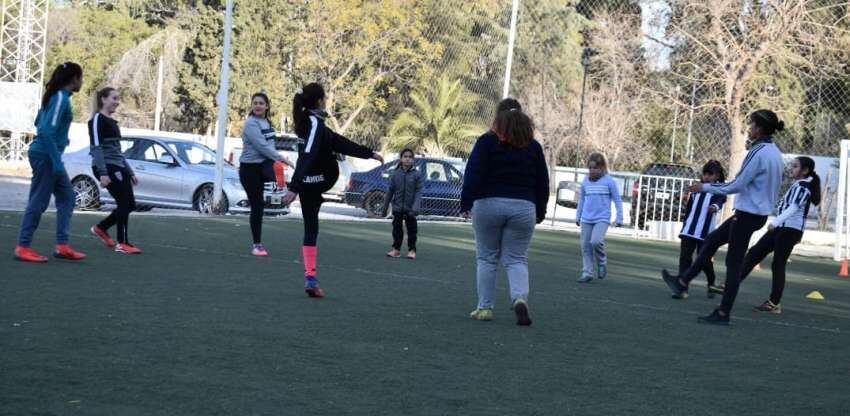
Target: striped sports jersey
column 699, row 221
column 793, row 208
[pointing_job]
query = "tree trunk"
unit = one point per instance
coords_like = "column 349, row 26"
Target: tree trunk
column 737, row 150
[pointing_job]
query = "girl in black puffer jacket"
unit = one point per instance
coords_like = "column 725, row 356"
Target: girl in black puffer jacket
column 317, row 170
column 405, row 196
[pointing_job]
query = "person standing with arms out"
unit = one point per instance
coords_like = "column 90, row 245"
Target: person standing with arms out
column 786, row 230
column 48, row 172
column 699, row 222
column 757, row 184
column 257, row 164
column 115, row 174
column 505, row 190
column 405, row 197
column 317, row 170
column 593, row 214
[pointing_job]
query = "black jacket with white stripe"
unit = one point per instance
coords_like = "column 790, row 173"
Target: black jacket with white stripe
column 105, row 144
column 794, row 207
column 317, row 169
column 699, row 220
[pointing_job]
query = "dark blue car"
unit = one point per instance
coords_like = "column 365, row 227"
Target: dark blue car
column 440, row 193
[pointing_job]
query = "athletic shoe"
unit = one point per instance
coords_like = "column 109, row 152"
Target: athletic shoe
column 715, row 318
column 679, row 291
column 718, row 290
column 29, row 255
column 601, row 271
column 521, row 311
column 411, row 254
column 103, row 236
column 259, row 250
column 394, row 254
column 584, row 279
column 311, row 287
column 127, row 248
column 64, row 251
column 769, row 307
column 482, row 314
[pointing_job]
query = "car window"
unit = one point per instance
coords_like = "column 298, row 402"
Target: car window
column 454, row 174
column 435, row 171
column 670, row 170
column 127, row 147
column 152, row 152
column 193, row 153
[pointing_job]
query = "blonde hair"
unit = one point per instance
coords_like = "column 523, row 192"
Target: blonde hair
column 598, row 159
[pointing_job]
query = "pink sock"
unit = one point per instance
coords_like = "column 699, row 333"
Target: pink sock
column 309, row 253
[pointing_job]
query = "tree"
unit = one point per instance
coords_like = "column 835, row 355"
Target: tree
column 437, row 123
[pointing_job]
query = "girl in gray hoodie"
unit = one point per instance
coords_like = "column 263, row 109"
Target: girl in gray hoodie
column 405, row 196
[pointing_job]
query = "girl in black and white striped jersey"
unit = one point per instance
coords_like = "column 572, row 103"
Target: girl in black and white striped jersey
column 699, row 221
column 786, row 230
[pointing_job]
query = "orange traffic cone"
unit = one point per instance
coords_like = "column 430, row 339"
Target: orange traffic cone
column 843, row 272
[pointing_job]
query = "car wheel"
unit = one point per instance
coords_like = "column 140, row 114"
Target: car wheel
column 203, row 203
column 87, row 194
column 374, row 204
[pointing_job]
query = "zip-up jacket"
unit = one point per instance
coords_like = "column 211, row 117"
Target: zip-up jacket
column 258, row 141
column 318, row 169
column 699, row 221
column 52, row 124
column 405, row 191
column 105, row 144
column 794, row 206
column 758, row 180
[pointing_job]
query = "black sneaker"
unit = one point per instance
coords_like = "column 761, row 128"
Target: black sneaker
column 715, row 318
column 679, row 291
column 521, row 311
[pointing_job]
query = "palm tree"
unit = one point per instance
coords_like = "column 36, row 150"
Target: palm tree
column 438, row 123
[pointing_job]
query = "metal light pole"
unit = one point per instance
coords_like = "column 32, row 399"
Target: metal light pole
column 221, row 100
column 511, row 39
column 675, row 124
column 585, row 62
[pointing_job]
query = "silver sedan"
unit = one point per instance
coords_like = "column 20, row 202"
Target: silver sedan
column 172, row 174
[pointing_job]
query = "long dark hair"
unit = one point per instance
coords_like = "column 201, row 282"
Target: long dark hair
column 305, row 100
column 61, row 78
column 268, row 105
column 514, row 128
column 767, row 120
column 401, row 155
column 100, row 95
column 714, row 167
column 808, row 164
column 508, row 104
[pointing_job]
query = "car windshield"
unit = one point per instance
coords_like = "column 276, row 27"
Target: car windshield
column 193, row 153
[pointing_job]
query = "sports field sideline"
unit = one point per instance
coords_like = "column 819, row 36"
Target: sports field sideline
column 197, row 326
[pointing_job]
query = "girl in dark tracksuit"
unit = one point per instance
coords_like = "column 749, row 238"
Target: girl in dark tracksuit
column 757, row 186
column 786, row 230
column 113, row 171
column 48, row 172
column 317, row 170
column 698, row 222
column 405, row 196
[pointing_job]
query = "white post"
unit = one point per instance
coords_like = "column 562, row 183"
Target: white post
column 158, row 109
column 841, row 206
column 221, row 100
column 675, row 125
column 511, row 39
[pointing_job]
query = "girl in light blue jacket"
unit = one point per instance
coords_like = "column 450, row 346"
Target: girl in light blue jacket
column 598, row 191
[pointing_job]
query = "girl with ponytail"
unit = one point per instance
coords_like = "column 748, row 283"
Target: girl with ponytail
column 48, row 173
column 317, row 170
column 786, row 230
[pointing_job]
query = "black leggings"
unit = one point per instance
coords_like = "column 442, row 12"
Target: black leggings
column 121, row 189
column 251, row 176
column 398, row 230
column 781, row 242
column 686, row 258
column 735, row 231
column 311, row 203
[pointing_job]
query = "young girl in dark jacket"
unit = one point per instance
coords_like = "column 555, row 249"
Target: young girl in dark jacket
column 316, row 171
column 405, row 196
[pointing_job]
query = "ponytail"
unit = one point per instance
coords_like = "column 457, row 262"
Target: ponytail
column 62, row 76
column 808, row 164
column 305, row 100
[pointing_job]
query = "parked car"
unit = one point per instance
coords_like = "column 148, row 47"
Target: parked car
column 661, row 194
column 440, row 193
column 173, row 173
column 287, row 145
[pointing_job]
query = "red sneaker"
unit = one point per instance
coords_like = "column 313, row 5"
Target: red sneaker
column 64, row 251
column 127, row 248
column 27, row 254
column 103, row 235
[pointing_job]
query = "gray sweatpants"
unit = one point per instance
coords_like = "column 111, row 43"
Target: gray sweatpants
column 503, row 229
column 593, row 247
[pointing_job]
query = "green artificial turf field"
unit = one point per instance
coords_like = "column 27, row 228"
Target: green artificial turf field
column 196, row 326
